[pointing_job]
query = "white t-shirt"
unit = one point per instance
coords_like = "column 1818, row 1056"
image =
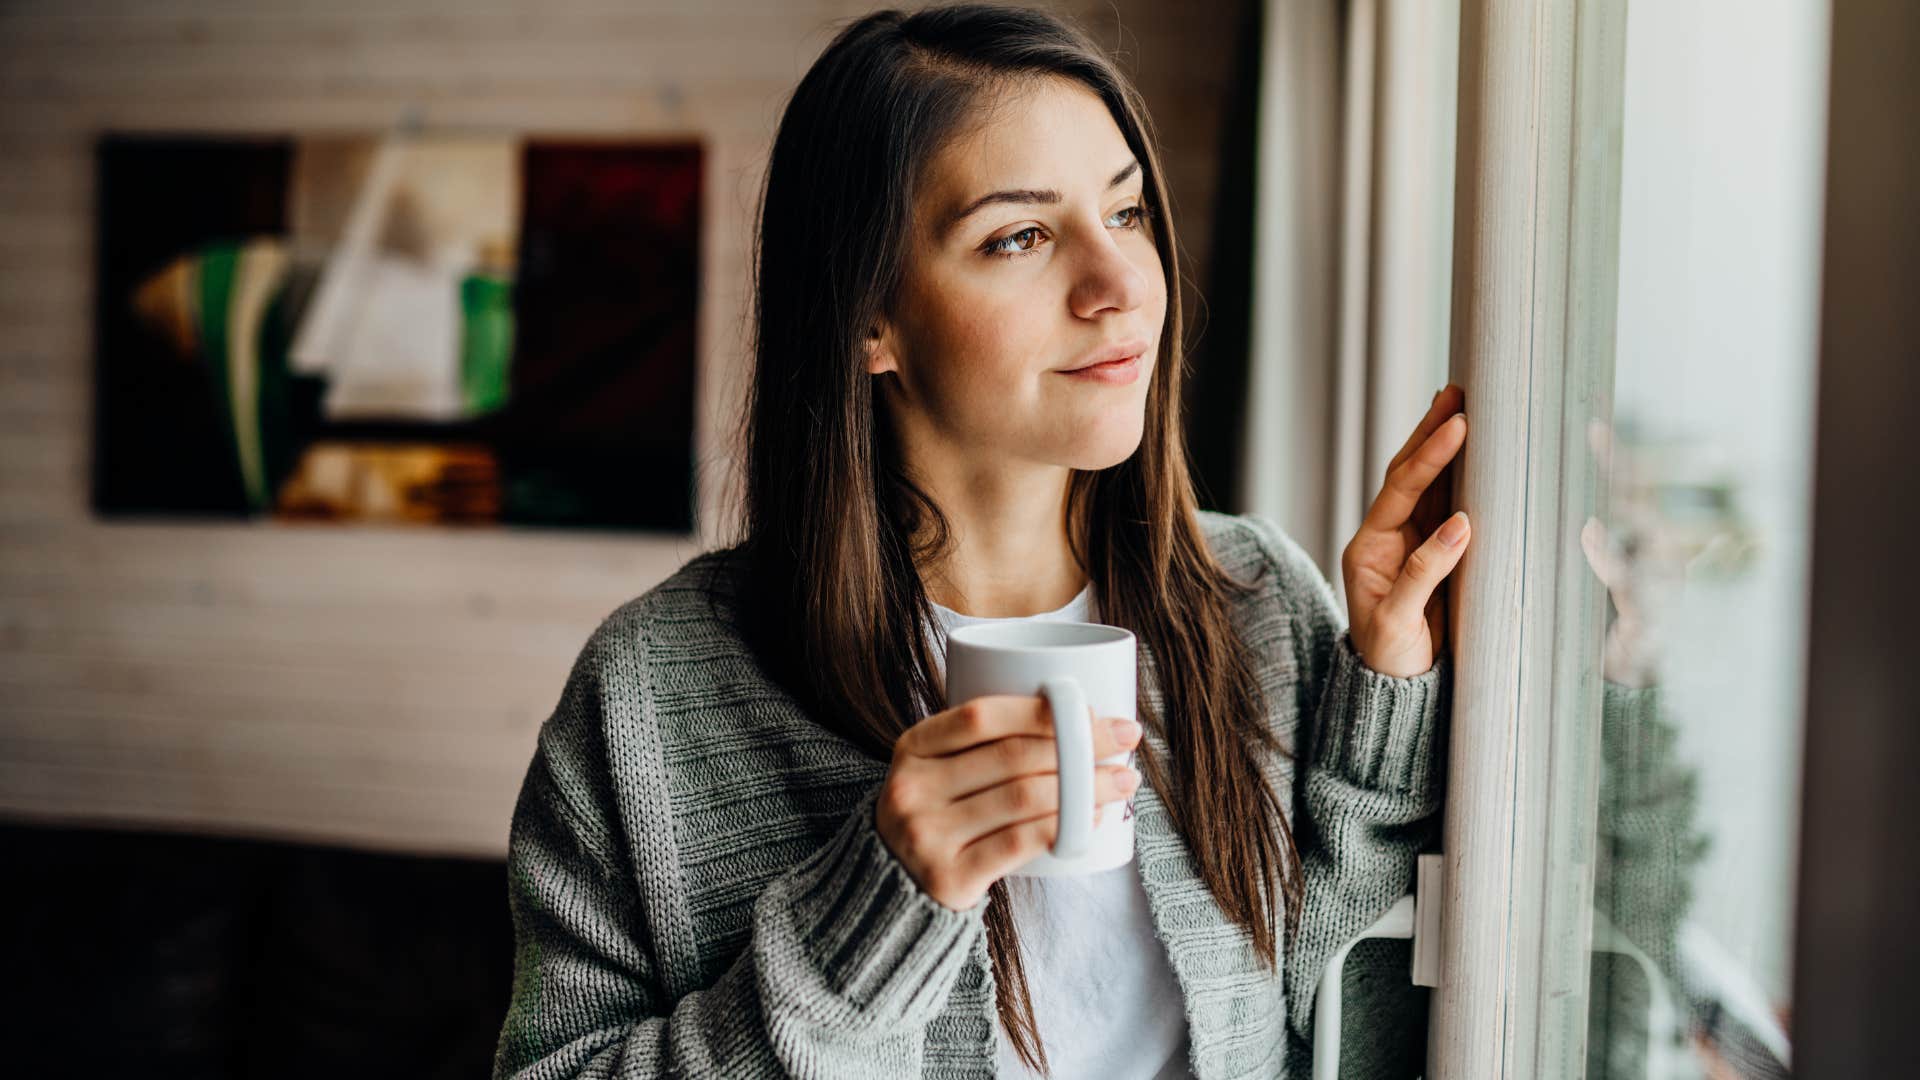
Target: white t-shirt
column 1105, row 999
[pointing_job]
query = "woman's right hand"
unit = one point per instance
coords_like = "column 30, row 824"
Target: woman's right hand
column 973, row 792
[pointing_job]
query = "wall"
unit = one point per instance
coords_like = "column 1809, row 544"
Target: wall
column 376, row 687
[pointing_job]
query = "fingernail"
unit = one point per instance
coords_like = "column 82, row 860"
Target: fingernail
column 1132, row 778
column 1455, row 530
column 1124, row 729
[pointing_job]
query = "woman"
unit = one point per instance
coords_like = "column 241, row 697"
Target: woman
column 754, row 841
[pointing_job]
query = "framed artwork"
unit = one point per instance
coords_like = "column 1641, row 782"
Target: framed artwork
column 397, row 328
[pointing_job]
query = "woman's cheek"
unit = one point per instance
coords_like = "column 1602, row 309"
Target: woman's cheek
column 982, row 388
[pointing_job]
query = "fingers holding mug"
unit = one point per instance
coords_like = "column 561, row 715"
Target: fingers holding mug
column 932, row 808
column 1012, row 822
column 977, row 793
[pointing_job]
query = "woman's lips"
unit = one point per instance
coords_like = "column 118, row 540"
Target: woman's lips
column 1115, row 373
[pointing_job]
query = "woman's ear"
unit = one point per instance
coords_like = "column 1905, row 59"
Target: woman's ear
column 882, row 353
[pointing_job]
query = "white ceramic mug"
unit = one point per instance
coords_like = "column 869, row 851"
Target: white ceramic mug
column 1084, row 670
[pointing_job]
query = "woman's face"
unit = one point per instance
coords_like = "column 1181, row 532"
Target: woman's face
column 1031, row 255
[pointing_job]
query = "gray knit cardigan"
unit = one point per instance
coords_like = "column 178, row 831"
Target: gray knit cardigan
column 698, row 889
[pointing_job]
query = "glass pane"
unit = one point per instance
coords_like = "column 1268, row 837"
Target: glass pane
column 1702, row 436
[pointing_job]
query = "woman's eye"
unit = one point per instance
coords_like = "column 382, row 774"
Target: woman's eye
column 1011, row 245
column 1028, row 240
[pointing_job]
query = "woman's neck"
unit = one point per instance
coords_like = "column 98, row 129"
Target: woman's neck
column 1009, row 554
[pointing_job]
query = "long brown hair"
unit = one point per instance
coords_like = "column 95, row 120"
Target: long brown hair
column 836, row 532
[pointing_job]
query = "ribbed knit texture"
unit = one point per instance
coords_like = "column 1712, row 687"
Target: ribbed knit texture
column 698, row 888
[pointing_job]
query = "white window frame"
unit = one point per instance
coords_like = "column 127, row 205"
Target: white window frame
column 1536, row 217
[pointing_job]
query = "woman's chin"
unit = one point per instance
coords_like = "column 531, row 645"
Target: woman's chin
column 1104, row 453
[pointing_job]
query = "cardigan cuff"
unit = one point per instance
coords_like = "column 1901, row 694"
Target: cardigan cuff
column 1381, row 732
column 877, row 939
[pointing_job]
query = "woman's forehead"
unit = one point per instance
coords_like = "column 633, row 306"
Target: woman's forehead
column 1049, row 135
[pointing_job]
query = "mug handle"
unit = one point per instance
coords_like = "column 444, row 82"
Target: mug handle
column 1074, row 738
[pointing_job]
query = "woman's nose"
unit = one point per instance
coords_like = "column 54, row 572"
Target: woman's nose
column 1109, row 280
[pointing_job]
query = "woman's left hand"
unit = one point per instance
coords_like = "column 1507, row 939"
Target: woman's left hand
column 1406, row 546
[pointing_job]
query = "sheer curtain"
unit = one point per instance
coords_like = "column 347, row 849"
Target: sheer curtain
column 1352, row 254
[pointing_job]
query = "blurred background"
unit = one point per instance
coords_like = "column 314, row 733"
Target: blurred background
column 359, row 357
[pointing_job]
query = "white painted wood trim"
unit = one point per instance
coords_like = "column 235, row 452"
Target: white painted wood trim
column 1494, row 300
column 1535, row 250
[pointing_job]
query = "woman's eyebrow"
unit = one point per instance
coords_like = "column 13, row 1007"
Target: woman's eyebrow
column 1027, row 197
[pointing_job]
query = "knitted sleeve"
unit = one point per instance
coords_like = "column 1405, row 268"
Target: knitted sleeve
column 848, row 958
column 1648, row 847
column 1368, row 790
